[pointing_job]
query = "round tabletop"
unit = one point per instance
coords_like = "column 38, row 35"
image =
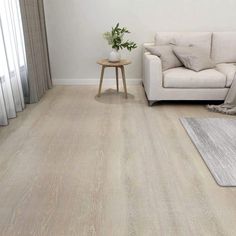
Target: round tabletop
column 105, row 62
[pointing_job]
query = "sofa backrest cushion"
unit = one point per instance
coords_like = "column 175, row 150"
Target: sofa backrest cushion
column 224, row 47
column 198, row 39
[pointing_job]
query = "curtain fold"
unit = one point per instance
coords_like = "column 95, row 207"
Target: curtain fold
column 24, row 60
column 39, row 74
column 12, row 61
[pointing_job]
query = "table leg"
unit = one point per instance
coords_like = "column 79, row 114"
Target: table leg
column 117, row 79
column 101, row 79
column 124, row 80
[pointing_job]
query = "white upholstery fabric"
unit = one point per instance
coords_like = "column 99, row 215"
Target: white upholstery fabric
column 185, row 78
column 224, row 47
column 204, row 85
column 193, row 58
column 168, row 58
column 152, row 72
column 229, row 70
column 199, row 39
column 153, row 85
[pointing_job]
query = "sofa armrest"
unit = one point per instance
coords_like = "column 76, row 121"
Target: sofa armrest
column 152, row 75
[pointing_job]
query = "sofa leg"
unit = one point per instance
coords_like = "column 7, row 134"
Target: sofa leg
column 150, row 103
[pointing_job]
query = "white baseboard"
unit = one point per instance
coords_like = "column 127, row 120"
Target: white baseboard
column 133, row 81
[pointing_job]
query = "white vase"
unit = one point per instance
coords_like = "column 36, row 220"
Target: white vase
column 114, row 56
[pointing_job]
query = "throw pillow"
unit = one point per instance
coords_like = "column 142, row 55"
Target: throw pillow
column 167, row 56
column 194, row 58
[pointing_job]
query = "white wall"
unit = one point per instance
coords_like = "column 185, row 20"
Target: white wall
column 75, row 28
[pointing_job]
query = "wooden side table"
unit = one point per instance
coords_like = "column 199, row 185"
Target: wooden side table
column 105, row 63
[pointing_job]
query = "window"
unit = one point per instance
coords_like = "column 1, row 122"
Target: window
column 12, row 58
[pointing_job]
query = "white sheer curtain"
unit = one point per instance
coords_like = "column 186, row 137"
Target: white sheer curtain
column 13, row 69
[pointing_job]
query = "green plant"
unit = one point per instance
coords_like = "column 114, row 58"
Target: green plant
column 115, row 38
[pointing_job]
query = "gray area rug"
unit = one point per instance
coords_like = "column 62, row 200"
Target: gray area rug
column 215, row 139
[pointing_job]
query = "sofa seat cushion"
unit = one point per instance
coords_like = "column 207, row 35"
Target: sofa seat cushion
column 185, row 78
column 229, row 70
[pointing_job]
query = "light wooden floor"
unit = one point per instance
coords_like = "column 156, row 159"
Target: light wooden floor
column 78, row 165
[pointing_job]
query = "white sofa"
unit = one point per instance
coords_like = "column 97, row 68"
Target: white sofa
column 184, row 84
